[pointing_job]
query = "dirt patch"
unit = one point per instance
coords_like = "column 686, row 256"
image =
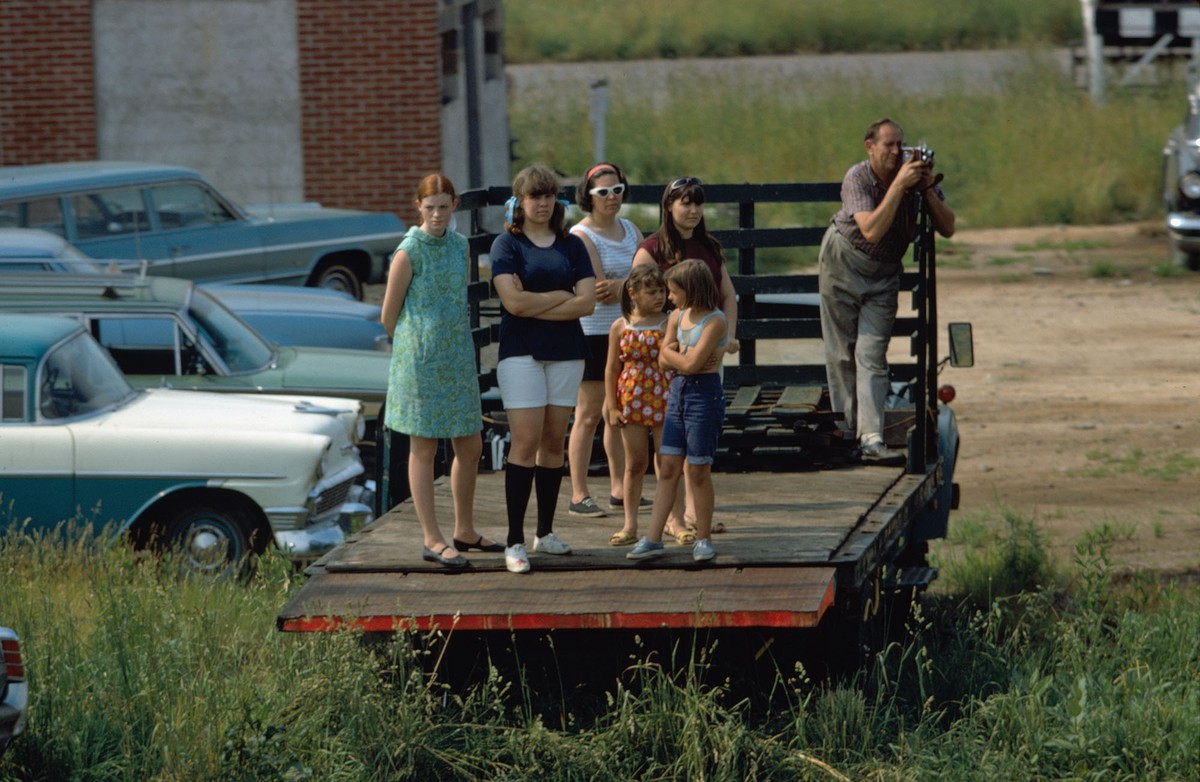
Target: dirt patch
column 1083, row 410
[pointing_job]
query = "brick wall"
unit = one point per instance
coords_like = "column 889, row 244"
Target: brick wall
column 370, row 89
column 47, row 100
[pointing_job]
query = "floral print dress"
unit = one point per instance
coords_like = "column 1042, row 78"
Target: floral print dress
column 642, row 386
column 433, row 387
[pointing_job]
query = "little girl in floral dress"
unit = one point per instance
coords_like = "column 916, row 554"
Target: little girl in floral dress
column 635, row 399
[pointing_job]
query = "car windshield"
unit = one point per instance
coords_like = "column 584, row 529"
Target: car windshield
column 80, row 377
column 239, row 346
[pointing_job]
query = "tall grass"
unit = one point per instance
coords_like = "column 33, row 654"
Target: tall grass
column 541, row 30
column 1037, row 152
column 136, row 674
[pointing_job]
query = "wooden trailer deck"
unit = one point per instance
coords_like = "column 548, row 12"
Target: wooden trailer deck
column 793, row 540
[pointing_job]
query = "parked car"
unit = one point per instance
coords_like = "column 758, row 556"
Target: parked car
column 168, row 332
column 184, row 227
column 1181, row 187
column 284, row 314
column 14, row 690
column 213, row 477
column 306, row 317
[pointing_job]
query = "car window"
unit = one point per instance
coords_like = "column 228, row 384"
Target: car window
column 109, row 213
column 149, row 345
column 187, row 206
column 77, row 377
column 239, row 346
column 44, row 213
column 12, row 392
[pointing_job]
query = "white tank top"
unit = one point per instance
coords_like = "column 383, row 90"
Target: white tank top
column 616, row 259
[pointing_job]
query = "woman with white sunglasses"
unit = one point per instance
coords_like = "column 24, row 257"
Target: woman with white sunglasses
column 611, row 242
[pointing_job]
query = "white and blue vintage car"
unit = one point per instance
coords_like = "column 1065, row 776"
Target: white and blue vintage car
column 214, row 476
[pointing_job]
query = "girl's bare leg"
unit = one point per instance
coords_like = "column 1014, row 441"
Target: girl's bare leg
column 700, row 490
column 421, row 453
column 637, row 459
column 670, row 469
column 463, row 474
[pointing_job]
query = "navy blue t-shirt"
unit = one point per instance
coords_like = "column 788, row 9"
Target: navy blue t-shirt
column 554, row 268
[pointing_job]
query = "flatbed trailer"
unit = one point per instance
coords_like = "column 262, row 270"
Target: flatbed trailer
column 816, row 540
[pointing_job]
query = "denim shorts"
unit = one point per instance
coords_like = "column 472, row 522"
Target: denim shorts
column 695, row 415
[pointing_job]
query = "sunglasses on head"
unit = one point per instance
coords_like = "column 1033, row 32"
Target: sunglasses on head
column 602, row 192
column 684, row 181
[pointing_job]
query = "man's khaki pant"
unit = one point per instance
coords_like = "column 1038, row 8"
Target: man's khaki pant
column 858, row 308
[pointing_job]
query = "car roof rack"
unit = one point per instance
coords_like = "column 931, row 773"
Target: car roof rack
column 109, row 286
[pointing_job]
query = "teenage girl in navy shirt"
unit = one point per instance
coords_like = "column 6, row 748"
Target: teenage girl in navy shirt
column 545, row 281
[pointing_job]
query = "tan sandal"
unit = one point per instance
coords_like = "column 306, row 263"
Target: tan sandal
column 683, row 536
column 623, row 538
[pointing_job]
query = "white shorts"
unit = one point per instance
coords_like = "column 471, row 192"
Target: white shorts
column 527, row 382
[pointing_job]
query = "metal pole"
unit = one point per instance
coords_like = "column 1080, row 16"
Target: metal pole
column 598, row 112
column 1094, row 49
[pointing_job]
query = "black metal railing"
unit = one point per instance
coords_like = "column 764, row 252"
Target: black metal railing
column 758, row 321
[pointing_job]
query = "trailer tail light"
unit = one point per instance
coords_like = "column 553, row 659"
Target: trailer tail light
column 946, row 393
column 13, row 665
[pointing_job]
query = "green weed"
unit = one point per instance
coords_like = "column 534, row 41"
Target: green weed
column 1168, row 269
column 137, row 673
column 1013, row 560
column 1160, row 465
column 1103, row 270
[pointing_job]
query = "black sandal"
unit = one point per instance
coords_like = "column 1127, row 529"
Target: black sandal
column 478, row 545
column 455, row 561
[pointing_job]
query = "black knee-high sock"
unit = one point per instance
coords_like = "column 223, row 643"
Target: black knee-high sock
column 518, row 484
column 547, row 481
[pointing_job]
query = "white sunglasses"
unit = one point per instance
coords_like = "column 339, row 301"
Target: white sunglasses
column 603, row 192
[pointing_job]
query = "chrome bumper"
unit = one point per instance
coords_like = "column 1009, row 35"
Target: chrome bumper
column 1183, row 223
column 311, row 541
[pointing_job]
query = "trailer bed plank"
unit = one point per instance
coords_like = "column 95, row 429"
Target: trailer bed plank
column 561, row 600
column 776, row 565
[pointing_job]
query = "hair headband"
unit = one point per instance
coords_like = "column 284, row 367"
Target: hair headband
column 600, row 167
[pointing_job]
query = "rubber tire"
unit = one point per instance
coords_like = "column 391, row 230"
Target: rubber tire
column 195, row 532
column 338, row 277
column 1182, row 258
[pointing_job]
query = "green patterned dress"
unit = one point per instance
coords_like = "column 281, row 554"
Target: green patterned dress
column 433, row 389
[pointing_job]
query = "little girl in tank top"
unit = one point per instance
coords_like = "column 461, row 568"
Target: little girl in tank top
column 694, row 344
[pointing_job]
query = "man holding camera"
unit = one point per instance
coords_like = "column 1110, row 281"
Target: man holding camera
column 860, row 263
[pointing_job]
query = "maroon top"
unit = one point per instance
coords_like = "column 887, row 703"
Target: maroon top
column 692, row 248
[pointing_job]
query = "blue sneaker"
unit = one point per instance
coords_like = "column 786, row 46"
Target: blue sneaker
column 646, row 549
column 702, row 550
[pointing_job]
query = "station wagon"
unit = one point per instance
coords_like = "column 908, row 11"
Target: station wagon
column 182, row 226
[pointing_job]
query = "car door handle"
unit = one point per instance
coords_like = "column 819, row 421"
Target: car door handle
column 177, row 250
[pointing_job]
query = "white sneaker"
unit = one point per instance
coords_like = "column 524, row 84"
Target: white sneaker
column 550, row 544
column 515, row 559
column 876, row 451
column 702, row 550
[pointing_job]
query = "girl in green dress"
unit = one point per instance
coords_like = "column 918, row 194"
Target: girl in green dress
column 433, row 390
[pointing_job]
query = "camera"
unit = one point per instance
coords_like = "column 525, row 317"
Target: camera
column 921, row 154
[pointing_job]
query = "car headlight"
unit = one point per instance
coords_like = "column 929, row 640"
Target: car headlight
column 360, row 427
column 1189, row 184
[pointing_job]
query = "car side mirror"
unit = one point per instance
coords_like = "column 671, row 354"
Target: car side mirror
column 962, row 345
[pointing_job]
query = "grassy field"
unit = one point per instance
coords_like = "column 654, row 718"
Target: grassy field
column 1020, row 673
column 550, row 30
column 1038, row 152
